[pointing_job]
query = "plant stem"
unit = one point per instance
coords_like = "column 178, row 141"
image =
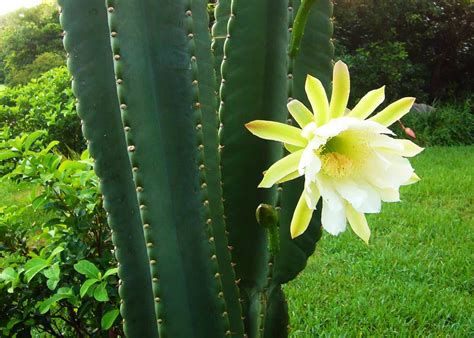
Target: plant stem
column 299, row 26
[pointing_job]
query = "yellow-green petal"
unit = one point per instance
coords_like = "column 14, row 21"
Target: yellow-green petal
column 412, row 180
column 300, row 113
column 289, row 177
column 394, row 111
column 281, row 169
column 368, row 104
column 291, row 148
column 301, row 217
column 410, row 149
column 358, row 223
column 340, row 90
column 318, row 99
column 276, row 131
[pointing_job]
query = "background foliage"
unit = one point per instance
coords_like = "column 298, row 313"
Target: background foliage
column 45, row 103
column 56, row 254
column 435, row 38
column 30, row 43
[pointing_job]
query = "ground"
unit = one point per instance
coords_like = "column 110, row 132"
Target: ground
column 416, row 276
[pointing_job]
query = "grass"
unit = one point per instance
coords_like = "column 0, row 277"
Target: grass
column 416, row 278
column 2, row 87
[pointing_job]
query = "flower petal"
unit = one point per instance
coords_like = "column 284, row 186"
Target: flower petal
column 329, row 193
column 300, row 113
column 358, row 223
column 385, row 170
column 389, row 194
column 281, row 169
column 410, row 149
column 291, row 148
column 340, row 90
column 276, row 131
column 413, row 179
column 312, row 195
column 368, row 104
column 318, row 99
column 360, row 195
column 301, row 217
column 289, row 177
column 334, row 221
column 394, row 111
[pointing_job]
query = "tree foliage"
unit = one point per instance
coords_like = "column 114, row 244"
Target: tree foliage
column 25, row 36
column 438, row 37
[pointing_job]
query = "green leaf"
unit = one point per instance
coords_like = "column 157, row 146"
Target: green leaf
column 55, row 252
column 33, row 266
column 9, row 275
column 52, row 274
column 32, row 138
column 50, row 146
column 100, row 293
column 85, row 287
column 110, row 272
column 6, row 155
column 87, row 268
column 45, row 305
column 72, row 165
column 108, row 319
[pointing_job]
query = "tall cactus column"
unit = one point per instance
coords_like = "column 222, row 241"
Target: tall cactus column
column 161, row 107
column 90, row 61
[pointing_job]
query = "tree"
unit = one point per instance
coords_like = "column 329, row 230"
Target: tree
column 24, row 36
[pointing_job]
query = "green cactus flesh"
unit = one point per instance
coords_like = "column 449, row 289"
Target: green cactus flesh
column 90, row 61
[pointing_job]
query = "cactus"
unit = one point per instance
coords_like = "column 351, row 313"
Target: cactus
column 163, row 105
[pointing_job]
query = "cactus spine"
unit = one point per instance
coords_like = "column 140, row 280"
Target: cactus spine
column 180, row 182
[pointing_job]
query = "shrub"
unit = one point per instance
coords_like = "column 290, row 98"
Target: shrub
column 384, row 63
column 446, row 124
column 56, row 275
column 45, row 103
column 40, row 65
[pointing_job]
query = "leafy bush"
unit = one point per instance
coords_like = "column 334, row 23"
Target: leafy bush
column 45, row 103
column 445, row 125
column 384, row 63
column 40, row 65
column 438, row 36
column 56, row 275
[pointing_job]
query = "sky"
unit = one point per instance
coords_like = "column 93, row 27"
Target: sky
column 11, row 5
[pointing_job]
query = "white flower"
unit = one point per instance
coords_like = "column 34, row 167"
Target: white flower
column 350, row 162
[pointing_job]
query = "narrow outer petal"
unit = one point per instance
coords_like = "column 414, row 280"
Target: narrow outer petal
column 289, row 177
column 413, row 179
column 281, row 169
column 300, row 113
column 301, row 217
column 276, row 131
column 368, row 104
column 318, row 99
column 358, row 223
column 394, row 111
column 340, row 90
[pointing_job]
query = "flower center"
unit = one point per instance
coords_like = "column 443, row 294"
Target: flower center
column 337, row 165
column 343, row 155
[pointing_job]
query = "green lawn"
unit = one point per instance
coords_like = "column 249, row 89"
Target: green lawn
column 2, row 87
column 416, row 278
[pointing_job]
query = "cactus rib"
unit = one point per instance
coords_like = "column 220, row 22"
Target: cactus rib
column 168, row 168
column 90, row 62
